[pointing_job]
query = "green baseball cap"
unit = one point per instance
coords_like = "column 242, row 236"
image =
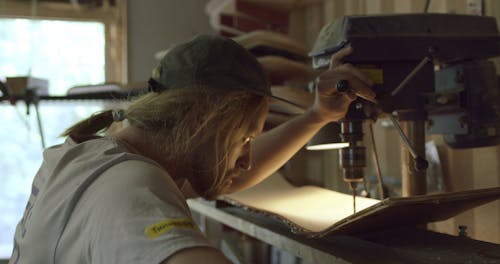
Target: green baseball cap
column 211, row 61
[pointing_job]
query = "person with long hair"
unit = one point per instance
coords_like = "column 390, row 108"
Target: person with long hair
column 120, row 197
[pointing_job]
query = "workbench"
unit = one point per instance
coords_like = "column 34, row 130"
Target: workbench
column 396, row 245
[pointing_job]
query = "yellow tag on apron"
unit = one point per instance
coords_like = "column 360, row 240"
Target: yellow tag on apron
column 164, row 226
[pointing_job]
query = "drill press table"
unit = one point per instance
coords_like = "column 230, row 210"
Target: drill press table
column 396, row 245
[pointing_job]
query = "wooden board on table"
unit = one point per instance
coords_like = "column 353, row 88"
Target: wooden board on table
column 318, row 212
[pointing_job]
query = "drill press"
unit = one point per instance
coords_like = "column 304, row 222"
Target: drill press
column 425, row 69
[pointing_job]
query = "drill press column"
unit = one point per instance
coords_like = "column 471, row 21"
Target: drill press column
column 414, row 180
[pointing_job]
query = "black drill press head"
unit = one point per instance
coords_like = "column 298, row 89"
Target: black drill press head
column 388, row 47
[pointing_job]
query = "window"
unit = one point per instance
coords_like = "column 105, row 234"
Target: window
column 67, row 53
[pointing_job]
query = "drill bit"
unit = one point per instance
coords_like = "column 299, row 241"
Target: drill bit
column 353, row 185
column 354, row 201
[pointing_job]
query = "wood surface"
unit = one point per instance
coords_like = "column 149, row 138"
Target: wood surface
column 317, row 212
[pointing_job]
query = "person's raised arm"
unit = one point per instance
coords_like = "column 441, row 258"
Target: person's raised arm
column 275, row 147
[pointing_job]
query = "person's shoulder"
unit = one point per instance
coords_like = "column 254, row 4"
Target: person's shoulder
column 133, row 180
column 140, row 164
column 141, row 168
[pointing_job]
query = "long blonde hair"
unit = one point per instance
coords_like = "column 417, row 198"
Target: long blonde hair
column 179, row 120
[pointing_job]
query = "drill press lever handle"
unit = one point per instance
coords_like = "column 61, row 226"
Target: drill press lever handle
column 420, row 163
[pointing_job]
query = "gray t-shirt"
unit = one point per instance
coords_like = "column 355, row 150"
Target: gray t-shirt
column 96, row 202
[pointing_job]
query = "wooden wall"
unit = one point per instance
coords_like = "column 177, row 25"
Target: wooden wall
column 463, row 169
